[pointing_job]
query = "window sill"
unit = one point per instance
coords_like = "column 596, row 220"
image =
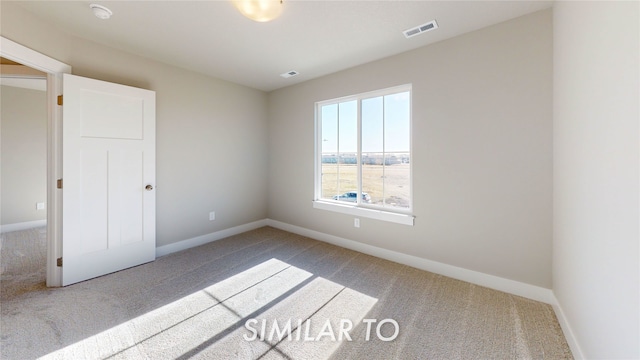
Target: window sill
column 364, row 212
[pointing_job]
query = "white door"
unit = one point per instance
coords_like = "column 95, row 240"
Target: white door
column 108, row 201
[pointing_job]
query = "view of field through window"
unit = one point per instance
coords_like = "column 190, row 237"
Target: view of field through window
column 393, row 191
column 383, row 123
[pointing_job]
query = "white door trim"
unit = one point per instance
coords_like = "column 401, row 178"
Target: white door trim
column 54, row 69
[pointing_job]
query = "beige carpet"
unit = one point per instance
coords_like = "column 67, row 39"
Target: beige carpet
column 211, row 302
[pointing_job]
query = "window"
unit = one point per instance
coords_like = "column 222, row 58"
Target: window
column 363, row 155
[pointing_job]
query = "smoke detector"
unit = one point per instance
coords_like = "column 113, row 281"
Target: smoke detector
column 100, row 11
column 289, row 74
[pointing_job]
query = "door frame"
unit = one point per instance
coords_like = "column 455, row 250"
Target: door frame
column 54, row 69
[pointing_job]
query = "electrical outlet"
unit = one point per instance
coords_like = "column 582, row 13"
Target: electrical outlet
column 212, row 216
column 39, row 206
column 356, row 222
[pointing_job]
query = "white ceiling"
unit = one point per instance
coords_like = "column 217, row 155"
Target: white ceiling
column 314, row 38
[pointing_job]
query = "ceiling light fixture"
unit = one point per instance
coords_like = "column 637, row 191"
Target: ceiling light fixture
column 100, row 11
column 259, row 10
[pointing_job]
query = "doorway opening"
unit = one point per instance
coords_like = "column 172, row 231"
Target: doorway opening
column 23, row 170
column 54, row 71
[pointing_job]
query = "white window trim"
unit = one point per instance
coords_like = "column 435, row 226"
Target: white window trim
column 399, row 216
column 355, row 210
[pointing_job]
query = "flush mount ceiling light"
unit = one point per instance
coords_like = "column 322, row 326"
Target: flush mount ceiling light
column 100, row 11
column 259, row 10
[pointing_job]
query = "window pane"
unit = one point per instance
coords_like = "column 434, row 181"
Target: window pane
column 329, row 116
column 372, row 125
column 397, row 139
column 329, row 180
column 348, row 126
column 348, row 179
column 329, row 146
column 372, row 177
column 397, row 176
column 348, row 148
column 397, row 128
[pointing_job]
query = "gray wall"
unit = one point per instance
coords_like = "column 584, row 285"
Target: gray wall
column 23, row 154
column 482, row 151
column 596, row 263
column 211, row 134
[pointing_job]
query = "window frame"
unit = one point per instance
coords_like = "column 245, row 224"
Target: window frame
column 396, row 215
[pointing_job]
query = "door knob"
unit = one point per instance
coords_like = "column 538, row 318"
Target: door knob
column 148, row 187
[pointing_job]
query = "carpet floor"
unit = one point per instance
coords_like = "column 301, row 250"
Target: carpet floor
column 264, row 294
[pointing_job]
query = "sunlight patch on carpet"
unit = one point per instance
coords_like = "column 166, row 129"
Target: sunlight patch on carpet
column 217, row 316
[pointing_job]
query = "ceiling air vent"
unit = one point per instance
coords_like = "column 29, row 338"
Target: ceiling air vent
column 289, row 74
column 431, row 25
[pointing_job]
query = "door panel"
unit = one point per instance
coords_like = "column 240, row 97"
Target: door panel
column 108, row 159
column 125, row 177
column 93, row 215
column 106, row 115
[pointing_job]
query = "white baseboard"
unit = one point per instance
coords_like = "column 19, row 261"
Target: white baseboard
column 203, row 239
column 494, row 282
column 576, row 351
column 22, row 226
